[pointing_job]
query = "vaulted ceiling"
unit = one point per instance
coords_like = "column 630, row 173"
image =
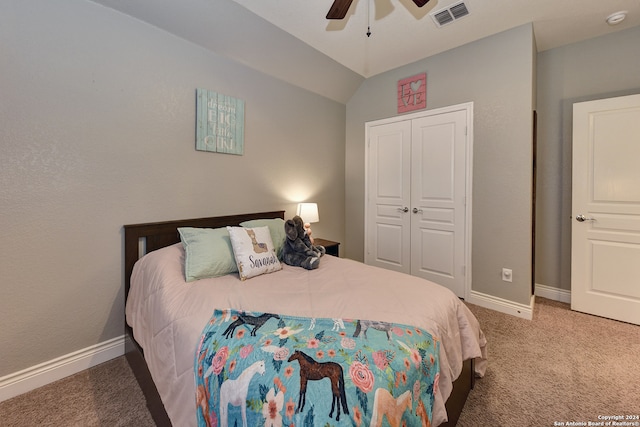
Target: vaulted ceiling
column 292, row 40
column 402, row 33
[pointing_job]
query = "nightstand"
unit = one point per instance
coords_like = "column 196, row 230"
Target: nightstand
column 333, row 248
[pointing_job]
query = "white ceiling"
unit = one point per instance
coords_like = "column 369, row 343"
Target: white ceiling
column 403, row 33
column 275, row 36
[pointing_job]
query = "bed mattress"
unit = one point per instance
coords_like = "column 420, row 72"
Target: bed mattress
column 167, row 315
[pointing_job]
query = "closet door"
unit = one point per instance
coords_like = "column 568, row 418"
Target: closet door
column 438, row 197
column 418, row 187
column 389, row 196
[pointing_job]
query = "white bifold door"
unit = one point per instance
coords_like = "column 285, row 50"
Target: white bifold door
column 605, row 232
column 417, row 207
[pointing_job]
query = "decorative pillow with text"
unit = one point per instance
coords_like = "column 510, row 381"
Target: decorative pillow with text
column 276, row 227
column 254, row 251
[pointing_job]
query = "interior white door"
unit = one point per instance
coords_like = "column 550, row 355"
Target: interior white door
column 438, row 199
column 605, row 259
column 417, row 179
column 389, row 196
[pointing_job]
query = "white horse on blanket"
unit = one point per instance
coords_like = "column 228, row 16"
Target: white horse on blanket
column 337, row 324
column 235, row 392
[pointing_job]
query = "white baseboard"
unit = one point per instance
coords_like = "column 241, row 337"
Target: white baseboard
column 552, row 293
column 502, row 305
column 37, row 376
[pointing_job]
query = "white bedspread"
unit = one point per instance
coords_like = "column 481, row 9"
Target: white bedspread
column 167, row 314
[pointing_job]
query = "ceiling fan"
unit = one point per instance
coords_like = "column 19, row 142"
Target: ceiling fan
column 339, row 8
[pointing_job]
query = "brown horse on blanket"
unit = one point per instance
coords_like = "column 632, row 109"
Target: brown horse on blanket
column 422, row 413
column 312, row 370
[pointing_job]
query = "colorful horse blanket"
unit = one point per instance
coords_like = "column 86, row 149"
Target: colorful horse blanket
column 269, row 370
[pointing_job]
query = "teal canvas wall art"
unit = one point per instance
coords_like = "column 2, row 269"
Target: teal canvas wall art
column 219, row 123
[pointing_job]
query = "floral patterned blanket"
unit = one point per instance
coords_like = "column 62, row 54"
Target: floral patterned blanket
column 256, row 369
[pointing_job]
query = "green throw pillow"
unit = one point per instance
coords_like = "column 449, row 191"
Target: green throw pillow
column 208, row 253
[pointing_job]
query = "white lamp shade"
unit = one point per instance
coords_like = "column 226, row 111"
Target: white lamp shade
column 308, row 212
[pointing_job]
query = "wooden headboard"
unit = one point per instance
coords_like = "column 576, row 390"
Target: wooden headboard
column 157, row 235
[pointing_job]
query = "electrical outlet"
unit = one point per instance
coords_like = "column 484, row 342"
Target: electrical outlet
column 507, row 275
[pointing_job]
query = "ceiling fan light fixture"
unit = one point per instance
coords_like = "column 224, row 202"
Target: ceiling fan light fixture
column 616, row 18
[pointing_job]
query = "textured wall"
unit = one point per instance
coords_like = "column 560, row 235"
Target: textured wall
column 97, row 130
column 496, row 73
column 602, row 67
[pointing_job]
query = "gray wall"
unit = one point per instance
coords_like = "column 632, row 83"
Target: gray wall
column 497, row 74
column 602, row 67
column 97, row 130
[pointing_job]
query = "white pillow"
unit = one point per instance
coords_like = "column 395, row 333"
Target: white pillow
column 254, row 251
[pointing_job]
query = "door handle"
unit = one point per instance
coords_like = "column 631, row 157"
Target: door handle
column 405, row 209
column 416, row 210
column 582, row 218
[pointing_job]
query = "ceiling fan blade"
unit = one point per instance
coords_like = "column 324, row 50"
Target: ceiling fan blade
column 339, row 9
column 420, row 3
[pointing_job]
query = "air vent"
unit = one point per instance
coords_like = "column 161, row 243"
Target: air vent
column 449, row 14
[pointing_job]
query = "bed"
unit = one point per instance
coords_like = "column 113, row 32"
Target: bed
column 166, row 347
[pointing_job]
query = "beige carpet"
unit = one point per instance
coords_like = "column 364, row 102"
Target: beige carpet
column 561, row 367
column 105, row 395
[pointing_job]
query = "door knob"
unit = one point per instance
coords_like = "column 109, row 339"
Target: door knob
column 582, row 218
column 405, row 209
column 416, row 210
